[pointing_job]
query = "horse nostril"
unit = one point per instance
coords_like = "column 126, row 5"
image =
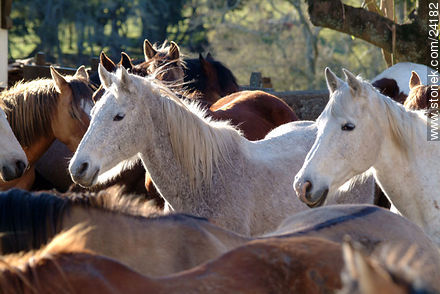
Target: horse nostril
column 82, row 169
column 20, row 167
column 307, row 187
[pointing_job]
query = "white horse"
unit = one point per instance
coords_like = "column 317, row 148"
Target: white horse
column 13, row 160
column 362, row 129
column 199, row 166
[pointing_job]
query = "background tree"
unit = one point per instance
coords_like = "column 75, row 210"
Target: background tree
column 406, row 41
column 287, row 40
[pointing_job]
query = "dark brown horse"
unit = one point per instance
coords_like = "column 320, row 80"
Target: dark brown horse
column 206, row 80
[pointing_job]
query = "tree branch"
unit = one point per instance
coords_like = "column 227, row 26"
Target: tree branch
column 373, row 28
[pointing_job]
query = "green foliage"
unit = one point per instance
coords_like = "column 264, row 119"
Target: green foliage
column 272, row 36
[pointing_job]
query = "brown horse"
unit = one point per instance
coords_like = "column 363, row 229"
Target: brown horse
column 420, row 95
column 206, row 80
column 167, row 244
column 294, row 265
column 43, row 110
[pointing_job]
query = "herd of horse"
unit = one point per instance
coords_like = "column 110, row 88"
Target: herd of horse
column 182, row 183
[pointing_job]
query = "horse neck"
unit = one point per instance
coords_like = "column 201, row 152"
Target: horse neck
column 402, row 171
column 182, row 186
column 38, row 148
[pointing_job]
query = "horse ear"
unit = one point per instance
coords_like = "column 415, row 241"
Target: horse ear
column 174, row 51
column 149, row 51
column 125, row 78
column 126, row 61
column 333, row 82
column 108, row 64
column 352, row 81
column 206, row 66
column 81, row 73
column 414, row 81
column 60, row 82
column 105, row 76
column 209, row 56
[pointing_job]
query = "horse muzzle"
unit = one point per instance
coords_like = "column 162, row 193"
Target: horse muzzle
column 83, row 173
column 13, row 170
column 307, row 193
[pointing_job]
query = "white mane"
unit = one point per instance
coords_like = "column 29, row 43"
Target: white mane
column 199, row 142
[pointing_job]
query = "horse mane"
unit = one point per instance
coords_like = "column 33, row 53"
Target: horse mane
column 16, row 270
column 30, row 106
column 396, row 263
column 199, row 142
column 28, row 220
column 401, row 127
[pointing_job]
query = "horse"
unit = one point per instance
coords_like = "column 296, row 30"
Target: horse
column 394, row 271
column 294, row 264
column 300, row 265
column 393, row 82
column 159, row 244
column 255, row 113
column 361, row 129
column 127, row 228
column 43, row 110
column 13, row 160
column 201, row 166
column 420, row 96
column 204, row 79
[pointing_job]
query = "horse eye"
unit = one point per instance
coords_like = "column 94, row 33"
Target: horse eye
column 119, row 117
column 348, row 127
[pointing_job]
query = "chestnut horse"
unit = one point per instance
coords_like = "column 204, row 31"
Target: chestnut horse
column 125, row 229
column 420, row 96
column 290, row 265
column 43, row 110
column 294, row 265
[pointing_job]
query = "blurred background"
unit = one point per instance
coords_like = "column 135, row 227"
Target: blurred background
column 274, row 37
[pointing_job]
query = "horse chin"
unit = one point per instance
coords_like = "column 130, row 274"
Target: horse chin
column 319, row 202
column 87, row 183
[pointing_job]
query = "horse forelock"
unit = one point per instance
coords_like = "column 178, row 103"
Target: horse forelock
column 81, row 95
column 419, row 97
column 30, row 106
column 400, row 125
